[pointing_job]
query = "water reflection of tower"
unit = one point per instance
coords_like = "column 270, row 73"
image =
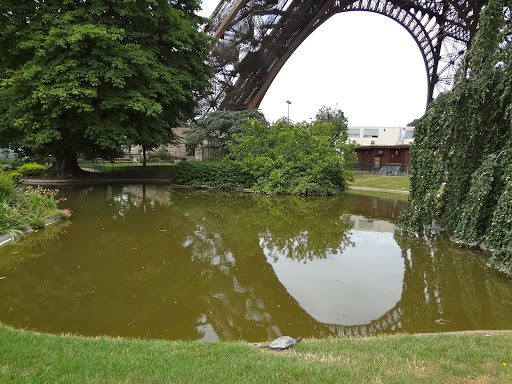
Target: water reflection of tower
column 248, row 298
column 252, row 296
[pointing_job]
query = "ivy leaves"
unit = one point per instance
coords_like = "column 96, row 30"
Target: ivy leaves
column 462, row 156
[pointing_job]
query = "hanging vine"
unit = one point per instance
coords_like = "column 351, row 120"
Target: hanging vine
column 461, row 179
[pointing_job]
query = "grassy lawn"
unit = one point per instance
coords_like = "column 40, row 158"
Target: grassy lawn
column 383, row 182
column 27, row 357
column 384, row 195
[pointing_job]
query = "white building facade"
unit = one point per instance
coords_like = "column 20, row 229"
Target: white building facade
column 381, row 135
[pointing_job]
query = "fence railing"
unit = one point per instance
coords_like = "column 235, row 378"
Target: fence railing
column 124, row 166
column 105, row 166
column 392, row 169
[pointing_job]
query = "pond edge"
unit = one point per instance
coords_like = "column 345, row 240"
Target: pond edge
column 5, row 238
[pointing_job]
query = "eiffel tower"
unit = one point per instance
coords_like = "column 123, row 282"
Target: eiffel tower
column 255, row 38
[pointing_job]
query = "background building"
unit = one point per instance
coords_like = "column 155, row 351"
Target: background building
column 177, row 151
column 382, row 150
column 381, row 135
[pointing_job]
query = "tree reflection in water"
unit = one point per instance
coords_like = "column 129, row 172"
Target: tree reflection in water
column 146, row 262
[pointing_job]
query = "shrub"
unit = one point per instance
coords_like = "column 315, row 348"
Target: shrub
column 38, row 204
column 159, row 155
column 7, row 185
column 14, row 163
column 6, row 167
column 29, row 207
column 302, row 159
column 31, row 169
column 16, row 176
column 12, row 220
column 222, row 174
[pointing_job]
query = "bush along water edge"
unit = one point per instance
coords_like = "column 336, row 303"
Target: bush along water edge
column 29, row 209
column 219, row 174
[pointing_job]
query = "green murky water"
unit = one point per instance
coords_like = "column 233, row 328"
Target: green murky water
column 150, row 262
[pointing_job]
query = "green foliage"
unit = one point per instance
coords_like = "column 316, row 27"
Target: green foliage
column 462, row 155
column 11, row 219
column 37, row 204
column 31, row 206
column 302, row 159
column 160, row 155
column 13, row 163
column 498, row 236
column 332, row 115
column 8, row 165
column 222, row 174
column 219, row 126
column 16, row 176
column 31, row 169
column 7, row 185
column 91, row 76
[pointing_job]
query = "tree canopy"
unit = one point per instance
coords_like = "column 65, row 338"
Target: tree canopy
column 461, row 180
column 332, row 115
column 219, row 126
column 91, row 76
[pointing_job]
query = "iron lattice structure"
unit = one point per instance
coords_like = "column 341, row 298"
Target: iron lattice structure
column 255, row 38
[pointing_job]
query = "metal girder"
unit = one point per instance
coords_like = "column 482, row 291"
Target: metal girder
column 255, row 38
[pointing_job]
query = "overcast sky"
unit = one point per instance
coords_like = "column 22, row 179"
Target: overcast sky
column 363, row 63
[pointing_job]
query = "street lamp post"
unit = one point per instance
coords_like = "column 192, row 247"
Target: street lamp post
column 288, row 102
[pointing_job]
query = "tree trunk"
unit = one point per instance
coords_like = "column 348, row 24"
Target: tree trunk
column 66, row 164
column 144, row 156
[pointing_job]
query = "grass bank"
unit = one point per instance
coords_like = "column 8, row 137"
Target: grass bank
column 399, row 183
column 27, row 357
column 383, row 186
column 384, row 195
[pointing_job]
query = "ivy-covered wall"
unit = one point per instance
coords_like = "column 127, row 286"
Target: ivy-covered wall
column 461, row 178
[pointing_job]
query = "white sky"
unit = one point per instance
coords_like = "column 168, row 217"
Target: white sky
column 363, row 63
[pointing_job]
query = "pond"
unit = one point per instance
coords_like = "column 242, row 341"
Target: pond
column 148, row 261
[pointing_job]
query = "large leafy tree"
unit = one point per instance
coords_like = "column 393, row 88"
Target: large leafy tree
column 90, row 76
column 218, row 127
column 462, row 156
